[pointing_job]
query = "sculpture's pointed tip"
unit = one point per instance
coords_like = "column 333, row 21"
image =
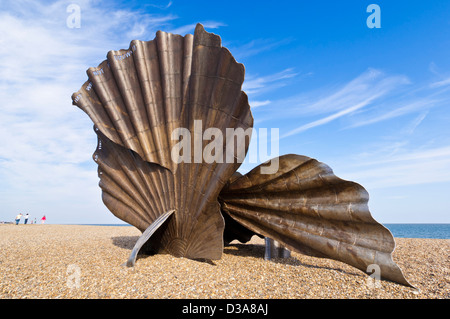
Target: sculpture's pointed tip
column 199, row 26
column 203, row 37
column 199, row 30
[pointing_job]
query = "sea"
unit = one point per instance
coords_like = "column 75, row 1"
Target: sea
column 435, row 231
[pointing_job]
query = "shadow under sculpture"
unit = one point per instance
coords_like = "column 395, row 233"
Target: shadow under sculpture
column 139, row 96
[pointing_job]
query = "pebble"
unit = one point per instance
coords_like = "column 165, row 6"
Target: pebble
column 77, row 262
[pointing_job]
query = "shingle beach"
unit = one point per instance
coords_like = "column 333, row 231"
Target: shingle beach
column 71, row 261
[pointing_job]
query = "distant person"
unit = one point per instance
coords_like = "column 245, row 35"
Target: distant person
column 18, row 217
column 26, row 219
column 43, row 219
column 35, row 221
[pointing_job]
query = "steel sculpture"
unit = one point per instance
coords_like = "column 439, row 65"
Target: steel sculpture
column 145, row 97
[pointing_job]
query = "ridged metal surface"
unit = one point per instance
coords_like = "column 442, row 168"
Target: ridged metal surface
column 136, row 98
column 139, row 96
column 308, row 209
column 146, row 236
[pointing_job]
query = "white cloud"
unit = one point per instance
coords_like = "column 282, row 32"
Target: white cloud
column 416, row 122
column 191, row 27
column 415, row 155
column 349, row 98
column 255, row 47
column 327, row 119
column 405, row 167
column 257, row 84
column 396, row 111
column 162, row 7
column 255, row 104
column 366, row 87
column 46, row 142
column 441, row 83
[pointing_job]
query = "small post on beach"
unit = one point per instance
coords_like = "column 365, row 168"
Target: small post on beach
column 275, row 250
column 268, row 243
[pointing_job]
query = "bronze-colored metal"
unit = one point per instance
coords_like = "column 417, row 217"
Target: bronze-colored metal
column 138, row 97
column 308, row 209
column 146, row 236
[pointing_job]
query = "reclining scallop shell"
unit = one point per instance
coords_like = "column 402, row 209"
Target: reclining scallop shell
column 139, row 97
column 305, row 207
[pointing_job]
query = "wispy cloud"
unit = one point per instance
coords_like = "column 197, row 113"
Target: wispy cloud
column 406, row 154
column 327, row 119
column 368, row 86
column 256, row 46
column 441, row 83
column 348, row 99
column 46, row 143
column 257, row 84
column 255, row 104
column 162, row 7
column 416, row 122
column 411, row 107
column 397, row 157
column 189, row 28
column 403, row 168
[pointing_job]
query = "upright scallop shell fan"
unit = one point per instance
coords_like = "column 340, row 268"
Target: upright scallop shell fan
column 138, row 98
column 143, row 99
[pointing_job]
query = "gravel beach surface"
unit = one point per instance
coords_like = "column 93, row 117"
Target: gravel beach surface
column 71, row 261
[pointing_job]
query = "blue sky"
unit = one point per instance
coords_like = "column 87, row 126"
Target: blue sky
column 374, row 104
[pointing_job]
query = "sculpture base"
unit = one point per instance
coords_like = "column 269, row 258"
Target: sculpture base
column 275, row 250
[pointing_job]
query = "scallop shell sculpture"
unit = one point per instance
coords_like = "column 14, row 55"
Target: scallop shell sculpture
column 143, row 99
column 308, row 209
column 137, row 99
